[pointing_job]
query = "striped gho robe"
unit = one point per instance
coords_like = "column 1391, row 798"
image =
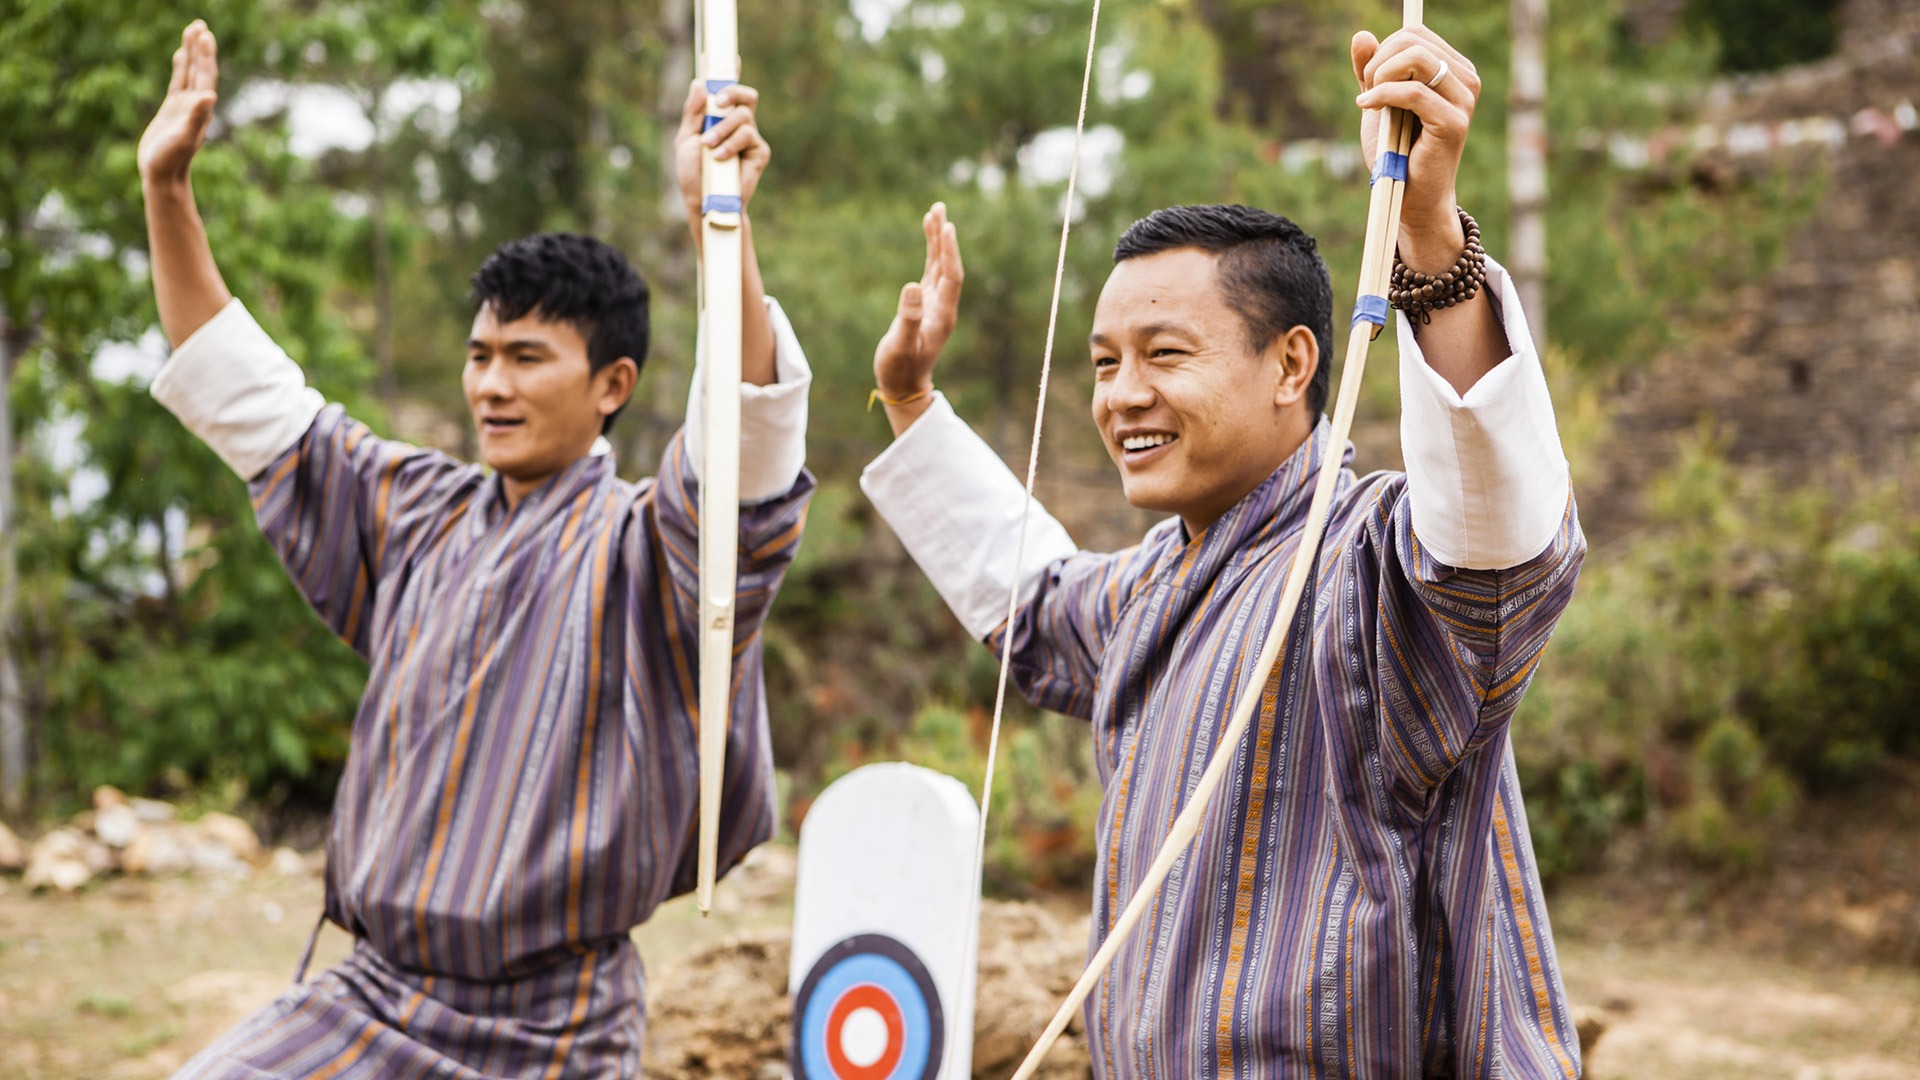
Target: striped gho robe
column 521, row 788
column 1362, row 900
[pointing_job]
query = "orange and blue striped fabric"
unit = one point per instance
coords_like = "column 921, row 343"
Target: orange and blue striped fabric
column 521, row 789
column 1362, row 901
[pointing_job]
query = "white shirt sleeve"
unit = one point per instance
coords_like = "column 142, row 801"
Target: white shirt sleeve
column 1486, row 474
column 956, row 507
column 231, row 385
column 773, row 418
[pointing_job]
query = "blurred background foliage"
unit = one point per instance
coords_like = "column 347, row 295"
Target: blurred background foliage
column 1749, row 649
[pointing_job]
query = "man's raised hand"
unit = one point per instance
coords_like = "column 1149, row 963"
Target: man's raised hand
column 1418, row 70
column 187, row 286
column 736, row 135
column 903, row 361
column 178, row 129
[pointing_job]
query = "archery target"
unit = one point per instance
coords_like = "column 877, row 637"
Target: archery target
column 868, row 1010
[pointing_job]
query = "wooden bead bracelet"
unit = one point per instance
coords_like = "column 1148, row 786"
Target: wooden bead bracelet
column 1420, row 295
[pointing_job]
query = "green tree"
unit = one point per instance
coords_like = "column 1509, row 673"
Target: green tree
column 387, row 58
column 162, row 640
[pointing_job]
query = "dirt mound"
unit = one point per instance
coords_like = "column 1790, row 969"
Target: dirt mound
column 723, row 1011
column 1028, row 962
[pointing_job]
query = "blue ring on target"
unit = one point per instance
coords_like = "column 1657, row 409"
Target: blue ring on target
column 869, row 960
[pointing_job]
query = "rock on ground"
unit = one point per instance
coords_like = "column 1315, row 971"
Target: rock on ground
column 66, row 859
column 287, row 863
column 13, row 853
column 116, row 826
column 158, row 850
column 724, row 1011
column 231, row 833
column 153, row 811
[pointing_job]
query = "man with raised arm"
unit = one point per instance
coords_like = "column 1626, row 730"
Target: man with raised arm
column 1362, row 899
column 521, row 786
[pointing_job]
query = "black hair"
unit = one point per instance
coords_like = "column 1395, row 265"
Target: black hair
column 565, row 277
column 1270, row 270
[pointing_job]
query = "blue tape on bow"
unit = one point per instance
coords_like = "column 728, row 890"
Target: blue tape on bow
column 714, row 86
column 1371, row 309
column 1391, row 165
column 730, row 204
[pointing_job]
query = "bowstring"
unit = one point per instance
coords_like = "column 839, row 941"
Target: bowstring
column 1033, row 467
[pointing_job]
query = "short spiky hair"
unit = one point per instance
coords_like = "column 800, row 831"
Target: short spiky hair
column 565, row 277
column 1270, row 269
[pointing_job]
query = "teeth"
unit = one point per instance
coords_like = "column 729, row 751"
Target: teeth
column 1145, row 442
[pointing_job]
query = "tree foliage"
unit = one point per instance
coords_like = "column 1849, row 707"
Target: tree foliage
column 160, row 636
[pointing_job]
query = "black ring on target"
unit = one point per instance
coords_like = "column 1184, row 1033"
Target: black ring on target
column 862, row 969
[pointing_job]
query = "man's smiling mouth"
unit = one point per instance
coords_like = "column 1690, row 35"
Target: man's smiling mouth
column 1140, row 443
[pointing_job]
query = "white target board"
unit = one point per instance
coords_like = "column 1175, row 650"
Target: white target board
column 885, row 929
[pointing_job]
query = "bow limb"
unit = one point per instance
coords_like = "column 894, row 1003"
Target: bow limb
column 720, row 290
column 1383, row 227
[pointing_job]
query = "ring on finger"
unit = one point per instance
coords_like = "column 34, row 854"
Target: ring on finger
column 1440, row 75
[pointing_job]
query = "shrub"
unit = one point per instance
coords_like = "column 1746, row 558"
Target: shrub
column 1754, row 644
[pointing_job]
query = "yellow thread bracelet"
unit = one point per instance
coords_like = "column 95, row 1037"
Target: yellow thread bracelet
column 875, row 395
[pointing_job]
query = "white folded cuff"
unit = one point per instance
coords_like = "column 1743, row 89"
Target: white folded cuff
column 956, row 507
column 773, row 418
column 231, row 385
column 1486, row 473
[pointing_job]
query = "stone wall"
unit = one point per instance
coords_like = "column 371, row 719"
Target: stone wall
column 1816, row 373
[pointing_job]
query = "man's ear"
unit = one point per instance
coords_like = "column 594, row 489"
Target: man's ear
column 1296, row 356
column 613, row 385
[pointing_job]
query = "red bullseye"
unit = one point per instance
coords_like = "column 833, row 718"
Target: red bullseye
column 865, row 996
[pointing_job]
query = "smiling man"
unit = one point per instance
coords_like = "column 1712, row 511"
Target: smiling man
column 520, row 788
column 1362, row 900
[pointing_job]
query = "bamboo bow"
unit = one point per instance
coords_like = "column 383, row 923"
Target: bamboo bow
column 720, row 299
column 1376, row 264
